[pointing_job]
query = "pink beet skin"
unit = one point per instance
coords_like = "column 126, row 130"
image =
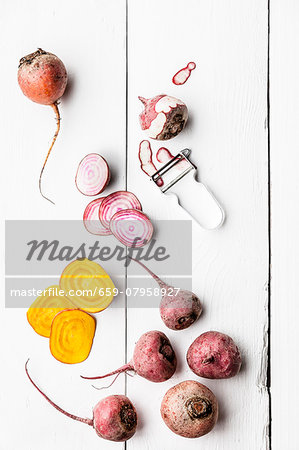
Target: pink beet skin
column 180, row 311
column 189, row 409
column 214, row 355
column 115, row 418
column 154, row 357
column 42, row 77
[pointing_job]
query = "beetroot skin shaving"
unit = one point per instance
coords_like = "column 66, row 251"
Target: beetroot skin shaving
column 182, row 75
column 146, row 160
column 163, row 156
column 177, row 311
column 214, row 355
column 114, row 417
column 163, row 117
column 42, row 77
column 153, row 359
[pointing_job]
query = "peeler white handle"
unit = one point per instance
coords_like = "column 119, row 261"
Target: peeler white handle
column 198, row 201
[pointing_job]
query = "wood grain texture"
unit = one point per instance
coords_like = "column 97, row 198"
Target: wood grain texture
column 227, row 98
column 284, row 98
column 89, row 38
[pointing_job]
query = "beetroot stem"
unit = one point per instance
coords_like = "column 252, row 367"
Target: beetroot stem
column 155, row 277
column 56, row 110
column 117, row 371
column 143, row 100
column 80, row 419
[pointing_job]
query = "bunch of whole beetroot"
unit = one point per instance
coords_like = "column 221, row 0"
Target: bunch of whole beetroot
column 189, row 409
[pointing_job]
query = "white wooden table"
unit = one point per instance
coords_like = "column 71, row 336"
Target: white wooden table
column 244, row 102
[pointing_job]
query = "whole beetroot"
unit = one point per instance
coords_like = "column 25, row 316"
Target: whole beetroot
column 153, row 358
column 214, row 355
column 114, row 417
column 189, row 409
column 42, row 77
column 178, row 309
column 164, row 117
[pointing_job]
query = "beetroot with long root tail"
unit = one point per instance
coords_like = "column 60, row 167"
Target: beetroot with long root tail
column 42, row 77
column 153, row 359
column 178, row 310
column 114, row 417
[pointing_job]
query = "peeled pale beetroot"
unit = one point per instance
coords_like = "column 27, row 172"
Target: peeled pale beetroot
column 42, row 77
column 93, row 174
column 214, row 355
column 114, row 417
column 153, row 358
column 178, row 310
column 164, row 117
column 189, row 409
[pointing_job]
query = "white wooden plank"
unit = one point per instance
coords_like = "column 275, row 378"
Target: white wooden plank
column 284, row 100
column 227, row 98
column 89, row 37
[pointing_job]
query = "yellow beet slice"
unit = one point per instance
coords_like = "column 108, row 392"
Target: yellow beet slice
column 43, row 310
column 87, row 285
column 71, row 337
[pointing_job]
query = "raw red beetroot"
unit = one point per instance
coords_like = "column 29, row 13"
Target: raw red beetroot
column 114, row 417
column 164, row 117
column 189, row 409
column 214, row 355
column 153, row 358
column 178, row 311
column 43, row 79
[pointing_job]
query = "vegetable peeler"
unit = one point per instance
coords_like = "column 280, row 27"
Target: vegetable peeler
column 178, row 177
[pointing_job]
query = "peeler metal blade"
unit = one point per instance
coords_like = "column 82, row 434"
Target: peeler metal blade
column 177, row 177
